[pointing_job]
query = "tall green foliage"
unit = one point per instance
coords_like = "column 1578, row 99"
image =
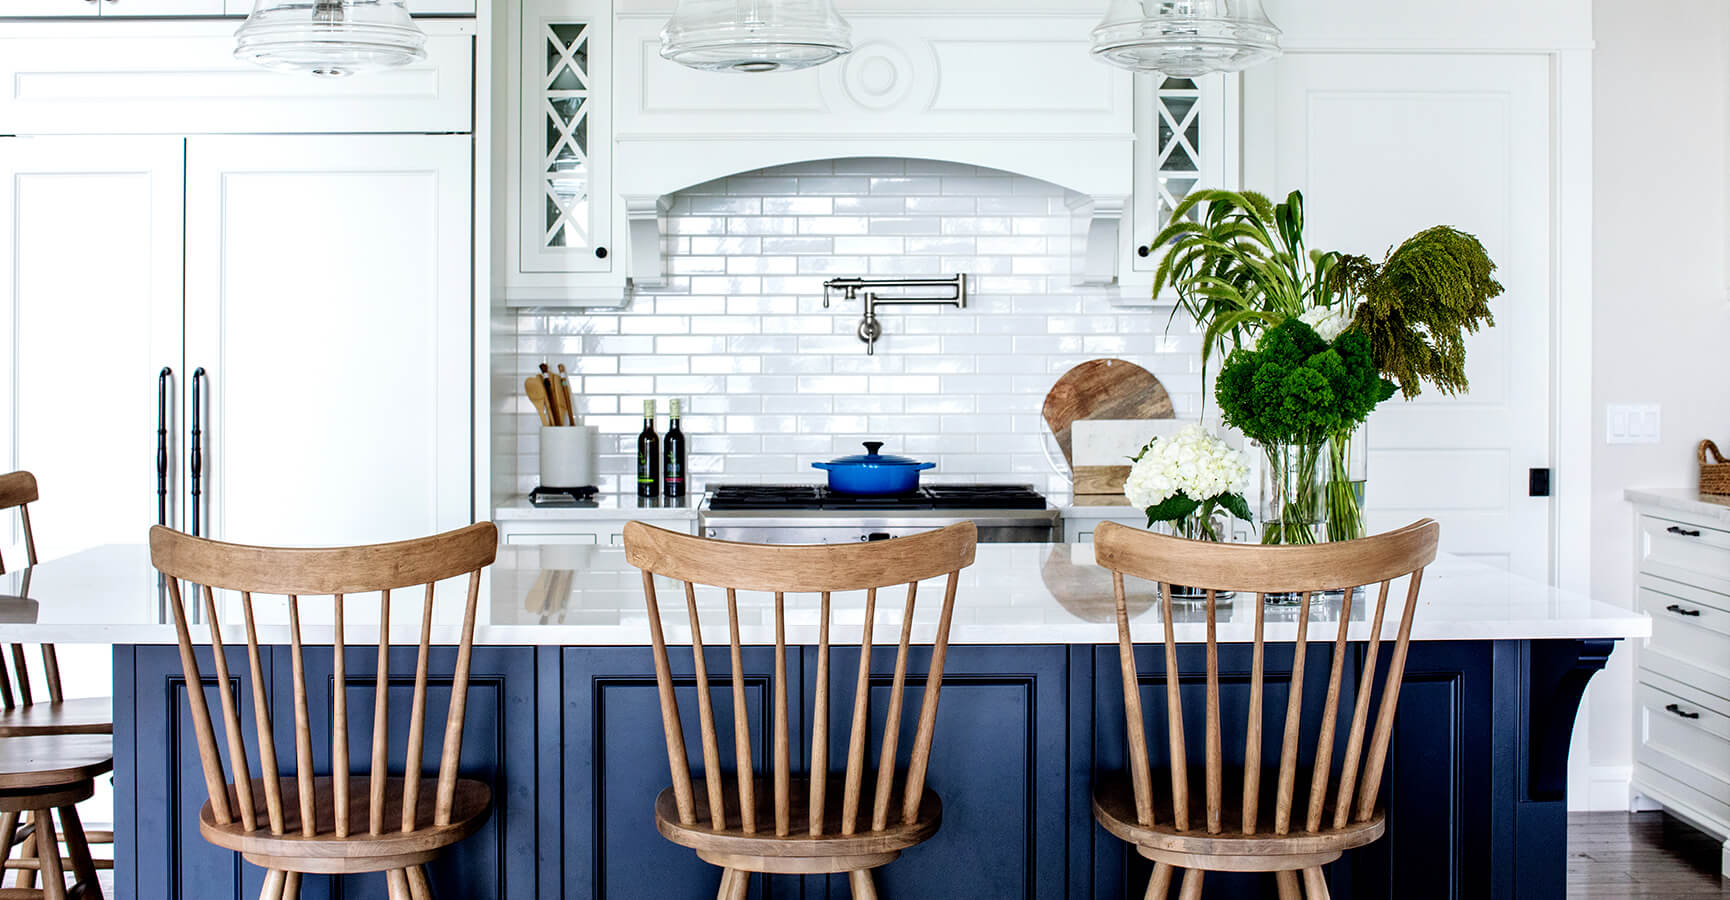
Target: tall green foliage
column 1419, row 305
column 1241, row 265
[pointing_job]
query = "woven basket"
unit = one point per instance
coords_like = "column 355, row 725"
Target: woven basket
column 1714, row 475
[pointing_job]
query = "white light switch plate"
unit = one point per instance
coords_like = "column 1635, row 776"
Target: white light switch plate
column 1633, row 423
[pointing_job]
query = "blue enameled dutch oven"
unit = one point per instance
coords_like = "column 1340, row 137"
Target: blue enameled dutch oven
column 871, row 474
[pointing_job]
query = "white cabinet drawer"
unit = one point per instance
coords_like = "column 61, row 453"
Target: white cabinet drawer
column 1683, row 551
column 1690, row 732
column 1689, row 626
column 542, row 539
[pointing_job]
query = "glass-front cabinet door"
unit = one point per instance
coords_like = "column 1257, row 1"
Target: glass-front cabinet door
column 563, row 193
column 1186, row 140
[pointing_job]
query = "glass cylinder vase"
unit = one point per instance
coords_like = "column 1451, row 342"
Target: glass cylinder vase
column 1292, row 495
column 1206, row 523
column 1347, row 470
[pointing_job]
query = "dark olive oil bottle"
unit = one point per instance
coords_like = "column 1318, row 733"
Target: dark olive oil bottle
column 648, row 455
column 673, row 459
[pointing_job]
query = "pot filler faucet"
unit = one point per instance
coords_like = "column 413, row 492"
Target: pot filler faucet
column 870, row 329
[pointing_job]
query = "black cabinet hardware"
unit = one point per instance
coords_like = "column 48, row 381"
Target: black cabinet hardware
column 1680, row 611
column 1144, row 252
column 197, row 464
column 600, row 253
column 1680, row 712
column 1684, row 532
column 163, row 379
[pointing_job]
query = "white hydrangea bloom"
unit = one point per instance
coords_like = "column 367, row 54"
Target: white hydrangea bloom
column 1192, row 461
column 1328, row 321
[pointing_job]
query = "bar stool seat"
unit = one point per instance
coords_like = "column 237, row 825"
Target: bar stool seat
column 43, row 776
column 51, row 761
column 1230, row 850
column 359, row 851
column 799, row 851
column 91, row 715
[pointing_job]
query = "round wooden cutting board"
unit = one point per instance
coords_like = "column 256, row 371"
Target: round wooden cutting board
column 1103, row 389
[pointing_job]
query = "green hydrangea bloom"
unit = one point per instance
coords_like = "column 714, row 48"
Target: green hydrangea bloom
column 1294, row 388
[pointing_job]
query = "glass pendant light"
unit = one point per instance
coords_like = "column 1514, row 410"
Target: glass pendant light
column 329, row 37
column 1186, row 38
column 755, row 35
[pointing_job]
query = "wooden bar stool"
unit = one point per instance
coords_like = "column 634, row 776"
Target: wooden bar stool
column 342, row 823
column 760, row 828
column 23, row 713
column 1230, row 832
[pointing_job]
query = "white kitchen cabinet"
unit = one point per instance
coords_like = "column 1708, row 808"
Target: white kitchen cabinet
column 1682, row 694
column 561, row 209
column 90, row 313
column 111, row 8
column 1186, row 140
column 59, row 9
column 417, row 7
column 179, row 77
column 328, row 299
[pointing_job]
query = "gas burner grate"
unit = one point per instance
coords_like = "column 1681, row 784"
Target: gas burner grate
column 769, row 497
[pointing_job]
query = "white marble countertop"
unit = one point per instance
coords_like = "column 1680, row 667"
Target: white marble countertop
column 584, row 595
column 1683, row 500
column 604, row 506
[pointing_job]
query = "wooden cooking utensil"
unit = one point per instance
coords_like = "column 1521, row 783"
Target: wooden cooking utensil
column 536, row 389
column 555, row 396
column 570, row 398
column 1103, row 389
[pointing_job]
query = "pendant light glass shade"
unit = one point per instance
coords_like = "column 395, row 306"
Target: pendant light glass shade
column 755, row 35
column 329, row 37
column 1186, row 38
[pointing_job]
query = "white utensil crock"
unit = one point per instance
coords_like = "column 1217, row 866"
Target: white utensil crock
column 568, row 456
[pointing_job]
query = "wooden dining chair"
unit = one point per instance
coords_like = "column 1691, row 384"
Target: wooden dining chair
column 833, row 826
column 1231, row 832
column 341, row 823
column 26, row 713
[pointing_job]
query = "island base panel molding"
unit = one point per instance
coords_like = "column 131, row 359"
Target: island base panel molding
column 572, row 741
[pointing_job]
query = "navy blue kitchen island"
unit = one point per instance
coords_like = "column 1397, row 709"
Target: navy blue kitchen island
column 568, row 731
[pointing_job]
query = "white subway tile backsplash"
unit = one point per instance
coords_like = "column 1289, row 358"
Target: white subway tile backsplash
column 774, row 381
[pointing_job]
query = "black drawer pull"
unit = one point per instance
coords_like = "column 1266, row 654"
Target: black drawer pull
column 1684, row 532
column 1680, row 712
column 1680, row 611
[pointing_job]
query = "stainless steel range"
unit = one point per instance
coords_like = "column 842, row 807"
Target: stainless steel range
column 812, row 514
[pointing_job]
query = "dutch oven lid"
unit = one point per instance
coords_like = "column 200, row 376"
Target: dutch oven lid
column 873, row 457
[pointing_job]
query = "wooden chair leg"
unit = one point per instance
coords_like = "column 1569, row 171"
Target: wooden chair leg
column 78, row 850
column 735, row 883
column 8, row 837
column 291, row 886
column 1159, row 886
column 419, row 887
column 863, row 887
column 1288, row 885
column 48, row 855
column 273, row 881
column 396, row 880
column 27, row 877
column 1191, row 889
column 1315, row 884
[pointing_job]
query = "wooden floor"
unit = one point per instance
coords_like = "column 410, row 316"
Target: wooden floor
column 1643, row 855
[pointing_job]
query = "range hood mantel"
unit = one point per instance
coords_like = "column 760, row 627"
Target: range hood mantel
column 1016, row 92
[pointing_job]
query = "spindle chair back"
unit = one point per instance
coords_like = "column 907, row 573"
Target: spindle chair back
column 18, row 491
column 343, row 822
column 810, row 833
column 1299, row 834
column 24, row 713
